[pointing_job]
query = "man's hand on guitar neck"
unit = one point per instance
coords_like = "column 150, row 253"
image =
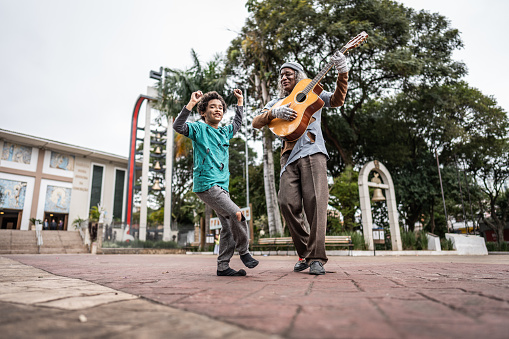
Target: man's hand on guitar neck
column 284, row 112
column 339, row 60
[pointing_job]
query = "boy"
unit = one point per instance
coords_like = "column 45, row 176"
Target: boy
column 211, row 176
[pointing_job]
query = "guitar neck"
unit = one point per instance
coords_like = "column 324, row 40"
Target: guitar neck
column 320, row 75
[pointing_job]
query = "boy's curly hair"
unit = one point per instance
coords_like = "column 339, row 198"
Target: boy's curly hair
column 203, row 103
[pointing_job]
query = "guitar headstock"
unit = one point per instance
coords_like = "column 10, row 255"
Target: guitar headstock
column 355, row 42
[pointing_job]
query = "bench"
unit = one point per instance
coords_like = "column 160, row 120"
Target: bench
column 192, row 247
column 286, row 242
column 274, row 243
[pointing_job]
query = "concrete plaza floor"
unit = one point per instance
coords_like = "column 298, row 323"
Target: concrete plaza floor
column 180, row 296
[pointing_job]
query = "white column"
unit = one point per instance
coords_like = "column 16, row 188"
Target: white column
column 168, row 179
column 367, row 221
column 144, row 176
column 393, row 215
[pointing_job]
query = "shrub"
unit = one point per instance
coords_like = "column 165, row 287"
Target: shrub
column 422, row 240
column 495, row 247
column 446, row 244
column 357, row 240
column 408, row 240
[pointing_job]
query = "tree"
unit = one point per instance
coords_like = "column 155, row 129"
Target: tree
column 405, row 48
column 485, row 152
column 493, row 175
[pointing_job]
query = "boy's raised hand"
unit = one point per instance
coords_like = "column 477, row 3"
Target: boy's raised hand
column 240, row 98
column 195, row 98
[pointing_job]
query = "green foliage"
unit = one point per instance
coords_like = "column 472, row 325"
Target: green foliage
column 446, row 244
column 344, row 196
column 261, row 223
column 156, row 217
column 408, row 240
column 405, row 131
column 357, row 240
column 414, row 240
column 334, row 225
column 497, row 247
column 94, row 214
column 176, row 88
column 77, row 222
column 257, row 196
column 35, row 221
column 404, row 49
column 238, row 172
column 422, row 240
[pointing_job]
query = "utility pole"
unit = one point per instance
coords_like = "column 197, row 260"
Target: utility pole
column 461, row 193
column 442, row 189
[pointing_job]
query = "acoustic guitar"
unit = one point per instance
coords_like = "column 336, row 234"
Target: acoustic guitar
column 305, row 99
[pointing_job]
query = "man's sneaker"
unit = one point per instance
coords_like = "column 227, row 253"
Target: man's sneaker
column 249, row 261
column 316, row 268
column 300, row 265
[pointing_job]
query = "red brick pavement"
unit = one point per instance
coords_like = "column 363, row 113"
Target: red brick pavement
column 374, row 297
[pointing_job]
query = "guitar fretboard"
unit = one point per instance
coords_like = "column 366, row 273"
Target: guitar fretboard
column 320, row 75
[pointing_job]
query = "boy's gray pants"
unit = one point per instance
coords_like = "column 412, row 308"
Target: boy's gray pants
column 234, row 233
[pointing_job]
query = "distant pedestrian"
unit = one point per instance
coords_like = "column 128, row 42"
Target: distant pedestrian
column 216, row 244
column 45, row 225
column 60, row 225
column 53, row 225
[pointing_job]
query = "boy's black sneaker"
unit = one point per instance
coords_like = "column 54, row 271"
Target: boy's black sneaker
column 230, row 272
column 316, row 268
column 249, row 261
column 300, row 265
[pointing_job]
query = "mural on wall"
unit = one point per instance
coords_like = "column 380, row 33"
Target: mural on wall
column 58, row 199
column 62, row 161
column 12, row 194
column 16, row 153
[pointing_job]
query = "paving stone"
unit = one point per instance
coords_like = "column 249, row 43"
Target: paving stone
column 364, row 297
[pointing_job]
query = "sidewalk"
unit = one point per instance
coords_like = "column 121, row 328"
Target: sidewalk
column 179, row 296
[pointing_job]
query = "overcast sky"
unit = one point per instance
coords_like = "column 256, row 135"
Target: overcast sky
column 71, row 70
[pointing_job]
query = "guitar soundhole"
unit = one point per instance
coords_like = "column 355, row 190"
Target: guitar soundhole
column 301, row 97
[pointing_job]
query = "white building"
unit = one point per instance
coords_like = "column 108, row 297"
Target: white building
column 46, row 179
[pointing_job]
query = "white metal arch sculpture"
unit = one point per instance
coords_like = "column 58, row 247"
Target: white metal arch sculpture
column 388, row 186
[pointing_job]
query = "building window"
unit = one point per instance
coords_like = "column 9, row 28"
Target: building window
column 118, row 200
column 97, row 183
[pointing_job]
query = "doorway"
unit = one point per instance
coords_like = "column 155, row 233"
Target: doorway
column 60, row 220
column 10, row 219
